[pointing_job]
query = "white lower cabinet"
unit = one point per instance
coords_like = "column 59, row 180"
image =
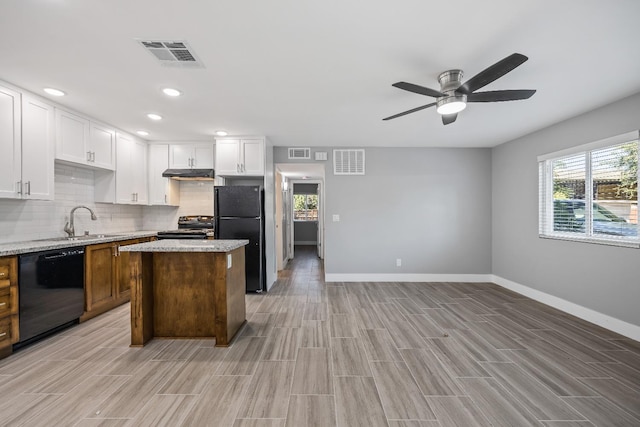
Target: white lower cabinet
column 162, row 191
column 26, row 147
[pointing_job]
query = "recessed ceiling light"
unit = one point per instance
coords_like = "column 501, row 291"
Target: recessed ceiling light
column 54, row 92
column 142, row 132
column 153, row 116
column 171, row 92
column 222, row 133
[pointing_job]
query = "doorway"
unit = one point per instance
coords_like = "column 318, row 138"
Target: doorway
column 307, row 178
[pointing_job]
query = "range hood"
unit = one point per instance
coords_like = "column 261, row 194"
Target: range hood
column 189, row 174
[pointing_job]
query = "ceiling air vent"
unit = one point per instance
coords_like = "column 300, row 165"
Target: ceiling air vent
column 299, row 153
column 172, row 53
column 348, row 162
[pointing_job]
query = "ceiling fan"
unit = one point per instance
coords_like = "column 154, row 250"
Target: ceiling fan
column 453, row 95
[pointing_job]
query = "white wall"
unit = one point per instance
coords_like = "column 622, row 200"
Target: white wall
column 601, row 278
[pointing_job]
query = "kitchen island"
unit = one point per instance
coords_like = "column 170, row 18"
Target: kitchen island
column 187, row 289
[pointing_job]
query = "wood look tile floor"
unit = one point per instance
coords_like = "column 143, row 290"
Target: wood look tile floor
column 338, row 354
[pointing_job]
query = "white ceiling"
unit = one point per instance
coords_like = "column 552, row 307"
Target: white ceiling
column 319, row 73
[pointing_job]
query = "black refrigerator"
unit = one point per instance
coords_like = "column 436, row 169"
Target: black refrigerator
column 239, row 214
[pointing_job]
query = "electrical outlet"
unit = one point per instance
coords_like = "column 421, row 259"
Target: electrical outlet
column 398, row 262
column 336, row 218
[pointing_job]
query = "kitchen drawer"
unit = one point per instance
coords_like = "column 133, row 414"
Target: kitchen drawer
column 8, row 271
column 5, row 331
column 5, row 303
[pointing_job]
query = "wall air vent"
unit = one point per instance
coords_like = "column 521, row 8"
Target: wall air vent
column 172, row 53
column 348, row 162
column 299, row 153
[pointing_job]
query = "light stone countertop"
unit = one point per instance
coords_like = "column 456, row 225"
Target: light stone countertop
column 186, row 245
column 17, row 248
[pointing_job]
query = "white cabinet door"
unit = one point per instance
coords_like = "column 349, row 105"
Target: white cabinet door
column 202, row 156
column 102, row 146
column 162, row 191
column 10, row 161
column 180, row 156
column 253, row 157
column 72, row 133
column 125, row 189
column 37, row 149
column 139, row 166
column 227, row 157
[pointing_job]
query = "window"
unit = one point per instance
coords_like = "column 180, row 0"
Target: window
column 305, row 207
column 590, row 193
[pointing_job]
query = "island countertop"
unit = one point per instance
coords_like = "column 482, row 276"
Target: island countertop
column 186, row 245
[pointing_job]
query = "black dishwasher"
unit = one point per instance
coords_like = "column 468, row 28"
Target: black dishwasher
column 51, row 291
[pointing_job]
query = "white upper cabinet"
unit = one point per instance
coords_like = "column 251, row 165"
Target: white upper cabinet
column 131, row 171
column 162, row 191
column 26, row 147
column 128, row 184
column 84, row 142
column 10, row 144
column 191, row 156
column 37, row 149
column 240, row 157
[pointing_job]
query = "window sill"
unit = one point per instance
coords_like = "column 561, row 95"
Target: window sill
column 635, row 244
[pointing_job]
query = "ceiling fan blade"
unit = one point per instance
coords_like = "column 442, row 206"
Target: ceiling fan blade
column 418, row 89
column 500, row 95
column 492, row 73
column 449, row 118
column 410, row 111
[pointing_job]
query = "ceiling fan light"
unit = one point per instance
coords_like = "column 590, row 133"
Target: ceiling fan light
column 451, row 104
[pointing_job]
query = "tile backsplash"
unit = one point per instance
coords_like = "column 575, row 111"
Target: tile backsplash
column 40, row 219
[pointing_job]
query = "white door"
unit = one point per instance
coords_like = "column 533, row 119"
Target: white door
column 72, row 135
column 290, row 235
column 252, row 157
column 102, row 146
column 227, row 162
column 180, row 156
column 10, row 144
column 320, row 223
column 124, row 172
column 37, row 149
column 203, row 156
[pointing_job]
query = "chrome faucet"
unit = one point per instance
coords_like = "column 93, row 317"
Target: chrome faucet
column 68, row 228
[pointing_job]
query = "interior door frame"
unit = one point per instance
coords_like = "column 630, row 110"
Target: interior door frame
column 320, row 233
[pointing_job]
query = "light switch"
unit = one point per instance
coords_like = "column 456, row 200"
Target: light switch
column 336, row 218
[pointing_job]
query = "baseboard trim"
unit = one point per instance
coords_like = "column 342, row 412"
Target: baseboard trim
column 356, row 277
column 616, row 325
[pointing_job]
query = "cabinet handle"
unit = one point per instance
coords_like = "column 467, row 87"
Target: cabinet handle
column 88, row 156
column 2, row 304
column 28, row 188
column 93, row 156
column 19, row 185
column 238, row 167
column 3, row 334
column 242, row 167
column 165, row 199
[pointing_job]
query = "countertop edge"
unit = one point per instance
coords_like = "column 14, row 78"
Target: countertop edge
column 19, row 248
column 186, row 245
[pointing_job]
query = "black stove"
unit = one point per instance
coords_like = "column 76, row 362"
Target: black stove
column 190, row 227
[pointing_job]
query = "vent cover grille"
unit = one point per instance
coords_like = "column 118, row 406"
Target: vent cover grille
column 172, row 53
column 299, row 153
column 348, row 162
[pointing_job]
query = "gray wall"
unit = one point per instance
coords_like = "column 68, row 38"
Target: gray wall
column 602, row 278
column 305, row 232
column 429, row 207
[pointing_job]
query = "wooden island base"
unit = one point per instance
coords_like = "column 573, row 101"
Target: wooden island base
column 187, row 295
